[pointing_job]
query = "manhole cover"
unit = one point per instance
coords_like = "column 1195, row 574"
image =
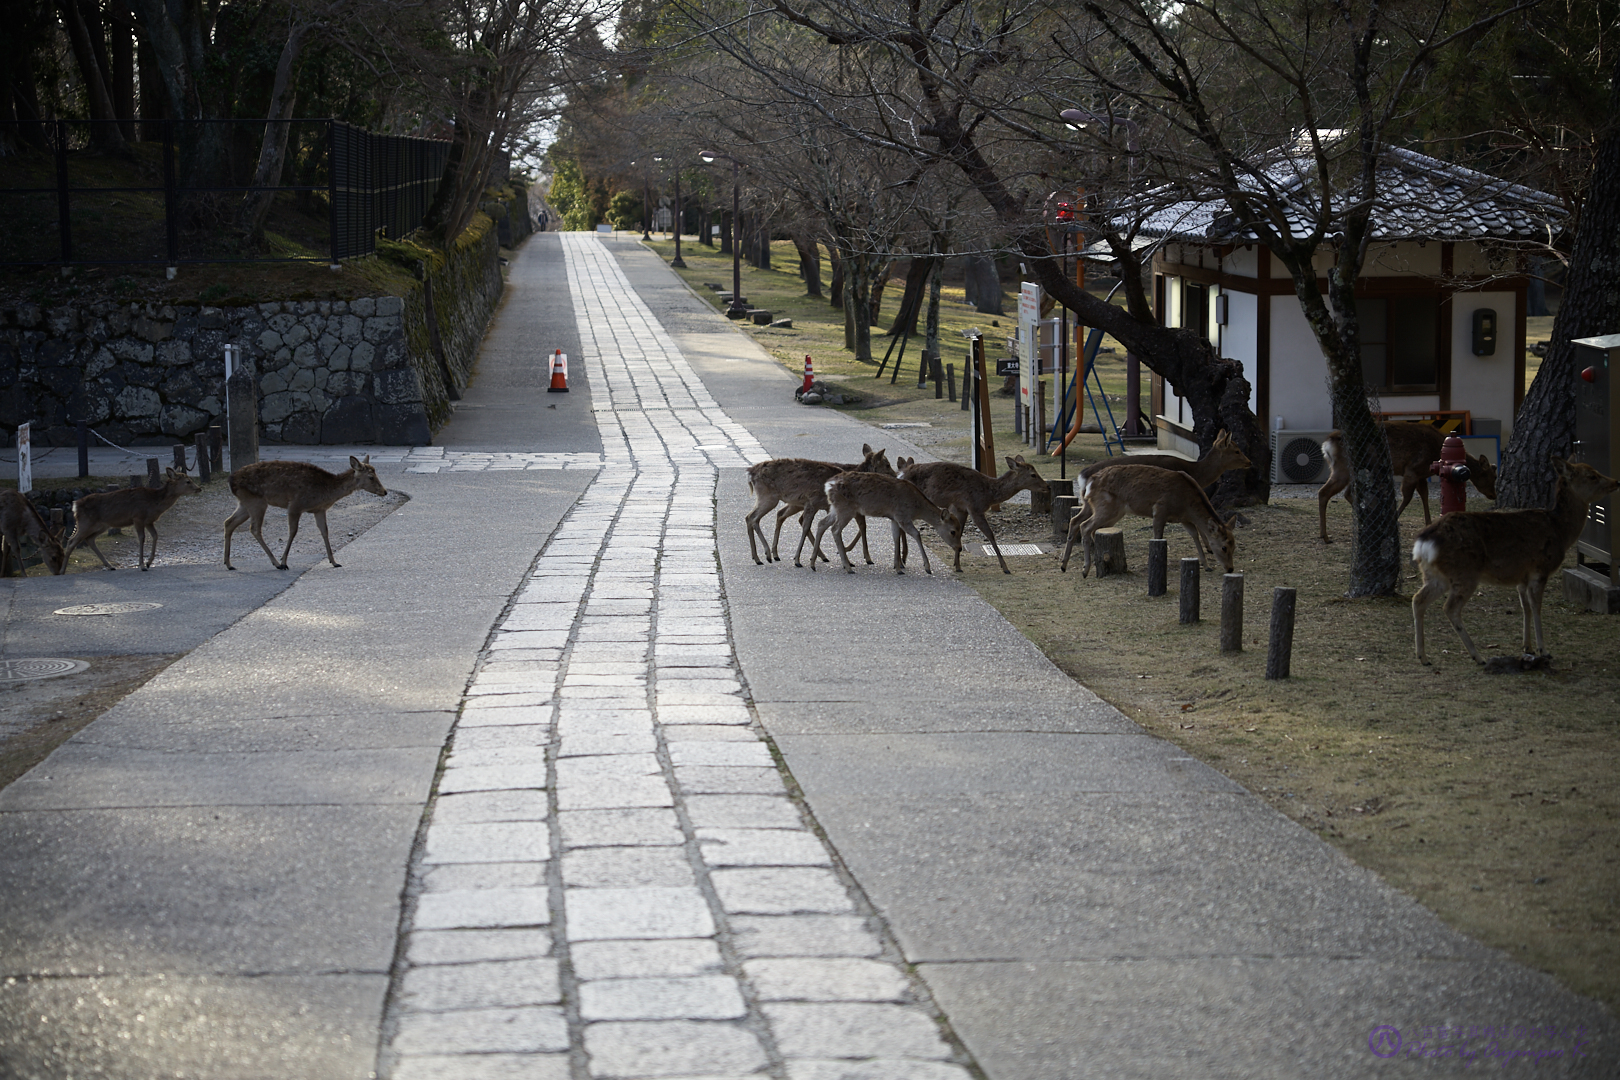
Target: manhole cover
column 1014, row 549
column 39, row 667
column 106, row 609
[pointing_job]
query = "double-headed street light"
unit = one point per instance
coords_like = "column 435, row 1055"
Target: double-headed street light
column 738, row 309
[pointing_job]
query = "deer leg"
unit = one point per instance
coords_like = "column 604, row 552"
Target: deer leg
column 751, row 520
column 142, row 529
column 320, row 523
column 807, row 518
column 1324, row 496
column 1434, row 586
column 1459, row 595
column 1530, row 594
column 292, row 531
column 984, row 527
column 866, row 552
column 910, row 528
column 256, row 526
column 1410, row 487
column 774, row 552
column 232, row 523
column 894, row 536
column 838, row 539
column 1206, row 557
column 826, row 523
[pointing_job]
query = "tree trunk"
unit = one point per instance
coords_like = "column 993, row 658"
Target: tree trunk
column 918, row 272
column 878, row 280
column 936, row 271
column 809, row 263
column 983, row 283
column 104, row 136
column 835, row 290
column 860, row 289
column 122, row 45
column 273, row 146
column 1545, row 426
column 153, row 99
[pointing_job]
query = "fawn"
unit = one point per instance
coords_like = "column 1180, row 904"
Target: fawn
column 799, row 484
column 137, row 506
column 853, row 494
column 301, row 488
column 963, row 491
column 1412, row 449
column 18, row 519
column 1164, row 495
column 1522, row 548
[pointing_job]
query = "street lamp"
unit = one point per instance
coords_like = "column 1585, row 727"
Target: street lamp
column 646, row 204
column 738, row 309
column 677, row 261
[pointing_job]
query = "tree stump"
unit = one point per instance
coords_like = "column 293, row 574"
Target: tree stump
column 1108, row 550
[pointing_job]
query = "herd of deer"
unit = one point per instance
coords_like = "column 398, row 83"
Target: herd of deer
column 297, row 486
column 1519, row 548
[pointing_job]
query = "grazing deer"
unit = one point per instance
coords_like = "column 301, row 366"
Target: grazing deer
column 1224, row 456
column 1412, row 449
column 963, row 491
column 137, row 506
column 1522, row 548
column 301, row 488
column 18, row 519
column 799, row 484
column 1148, row 491
column 858, row 494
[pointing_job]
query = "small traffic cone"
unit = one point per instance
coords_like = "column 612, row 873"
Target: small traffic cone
column 809, row 374
column 559, row 373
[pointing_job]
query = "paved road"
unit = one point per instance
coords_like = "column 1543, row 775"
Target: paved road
column 551, row 780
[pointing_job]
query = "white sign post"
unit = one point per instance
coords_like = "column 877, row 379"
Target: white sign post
column 25, row 460
column 1029, row 336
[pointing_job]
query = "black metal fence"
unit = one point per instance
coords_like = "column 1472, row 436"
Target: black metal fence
column 175, row 195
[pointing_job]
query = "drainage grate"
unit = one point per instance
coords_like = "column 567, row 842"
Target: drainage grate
column 123, row 608
column 1014, row 549
column 39, row 667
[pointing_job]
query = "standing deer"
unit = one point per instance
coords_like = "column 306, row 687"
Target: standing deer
column 963, row 491
column 137, row 506
column 301, row 488
column 799, row 483
column 1522, row 548
column 1148, row 491
column 1412, row 449
column 18, row 519
column 860, row 494
column 1224, row 456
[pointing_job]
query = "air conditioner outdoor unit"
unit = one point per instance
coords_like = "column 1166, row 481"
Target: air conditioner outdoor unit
column 1297, row 457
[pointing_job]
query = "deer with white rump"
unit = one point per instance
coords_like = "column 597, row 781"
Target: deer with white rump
column 301, row 488
column 859, row 494
column 18, row 519
column 137, row 506
column 1151, row 492
column 1522, row 548
column 964, row 491
column 1412, row 449
column 799, row 484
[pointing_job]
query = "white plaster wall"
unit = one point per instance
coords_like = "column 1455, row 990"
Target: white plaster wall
column 1240, row 338
column 1298, row 371
column 1483, row 384
column 1243, row 262
column 1403, row 260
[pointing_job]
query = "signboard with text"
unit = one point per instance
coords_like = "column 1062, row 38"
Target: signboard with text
column 25, row 460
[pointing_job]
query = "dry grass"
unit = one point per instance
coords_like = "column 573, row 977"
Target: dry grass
column 1490, row 798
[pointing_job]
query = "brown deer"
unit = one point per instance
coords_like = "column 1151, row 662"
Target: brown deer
column 799, row 483
column 1165, row 495
column 301, row 488
column 18, row 519
column 963, row 491
column 860, row 494
column 137, row 506
column 1522, row 548
column 1412, row 449
column 1224, row 456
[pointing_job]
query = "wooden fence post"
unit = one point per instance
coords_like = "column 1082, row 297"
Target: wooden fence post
column 1281, row 649
column 1232, row 613
column 1158, row 566
column 1189, row 589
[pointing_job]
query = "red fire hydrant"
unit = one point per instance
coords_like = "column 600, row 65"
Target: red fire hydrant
column 1452, row 469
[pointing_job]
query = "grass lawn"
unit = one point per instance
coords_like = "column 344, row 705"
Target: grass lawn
column 1489, row 798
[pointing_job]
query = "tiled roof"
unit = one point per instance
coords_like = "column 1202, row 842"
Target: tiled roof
column 1420, row 198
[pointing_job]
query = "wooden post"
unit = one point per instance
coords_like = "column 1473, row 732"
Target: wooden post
column 1158, row 566
column 1232, row 613
column 243, row 421
column 987, row 435
column 153, row 476
column 950, row 380
column 216, row 449
column 1108, row 549
column 84, row 449
column 967, row 381
column 1281, row 650
column 180, row 458
column 135, row 480
column 1189, row 589
column 937, row 373
column 203, row 473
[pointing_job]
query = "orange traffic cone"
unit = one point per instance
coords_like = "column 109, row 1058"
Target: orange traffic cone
column 559, row 373
column 809, row 373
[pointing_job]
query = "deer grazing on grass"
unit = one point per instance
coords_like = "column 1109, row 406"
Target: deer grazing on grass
column 963, row 491
column 137, row 506
column 1522, row 548
column 18, row 519
column 1164, row 495
column 800, row 485
column 301, row 488
column 861, row 494
column 1224, row 456
column 1412, row 449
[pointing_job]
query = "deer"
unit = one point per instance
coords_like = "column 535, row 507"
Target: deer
column 1224, row 456
column 798, row 483
column 138, row 506
column 299, row 487
column 1165, row 495
column 18, row 519
column 1412, row 449
column 866, row 494
column 1521, row 548
column 963, row 491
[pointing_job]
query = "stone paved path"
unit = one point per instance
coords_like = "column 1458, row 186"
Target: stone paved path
column 610, row 827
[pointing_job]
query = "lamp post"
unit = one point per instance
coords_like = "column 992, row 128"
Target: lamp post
column 678, row 261
column 738, row 309
column 646, row 206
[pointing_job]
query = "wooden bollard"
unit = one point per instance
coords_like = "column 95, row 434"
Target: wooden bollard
column 216, row 449
column 153, row 476
column 1108, row 552
column 1282, row 633
column 1158, row 567
column 1232, row 613
column 180, row 458
column 950, row 380
column 203, row 474
column 967, row 385
column 1189, row 590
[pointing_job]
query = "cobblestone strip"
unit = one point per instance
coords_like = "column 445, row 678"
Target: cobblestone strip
column 615, row 882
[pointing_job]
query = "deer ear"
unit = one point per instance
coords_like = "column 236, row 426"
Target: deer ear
column 866, row 448
column 354, row 462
